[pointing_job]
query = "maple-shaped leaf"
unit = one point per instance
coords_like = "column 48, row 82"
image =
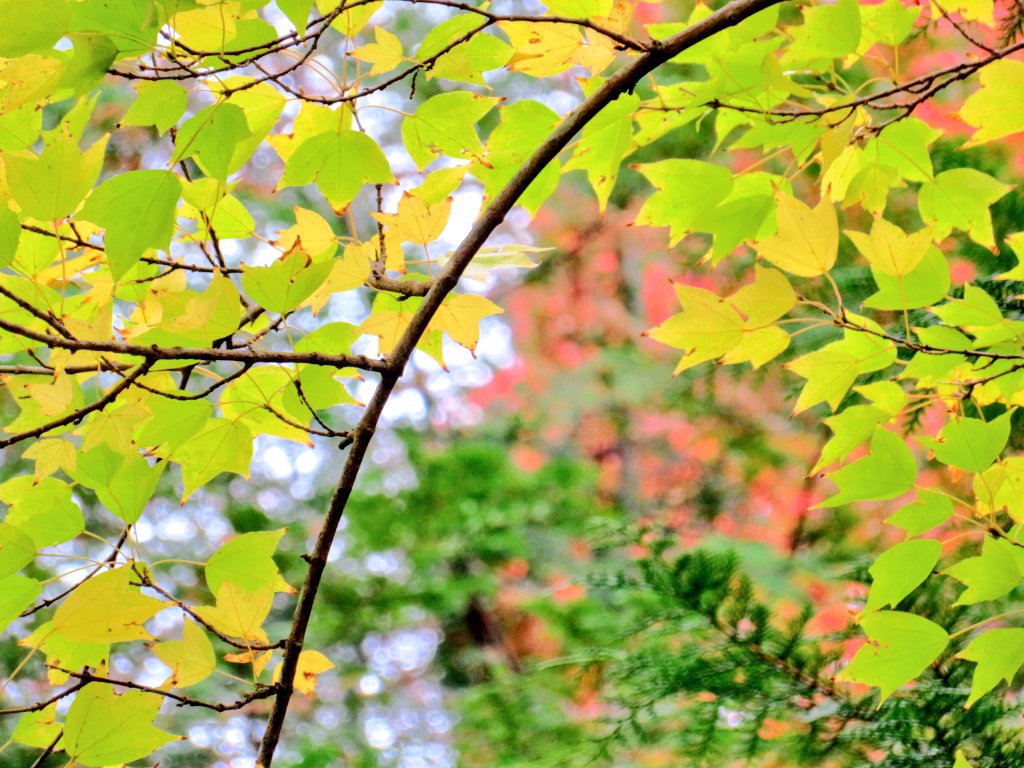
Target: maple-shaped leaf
column 107, row 608
column 971, row 444
column 444, row 125
column 221, row 446
column 900, row 646
column 899, row 570
column 310, row 664
column 807, row 240
column 889, row 470
column 340, row 162
column 239, row 612
column 191, row 659
column 999, row 654
column 416, row 221
column 990, row 575
column 138, row 209
column 385, row 53
column 460, row 315
column 960, row 199
column 706, row 329
column 247, row 561
column 312, row 232
column 284, row 285
column 103, row 728
column 997, row 108
column 51, row 186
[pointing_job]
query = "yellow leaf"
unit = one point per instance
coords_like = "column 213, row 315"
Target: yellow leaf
column 416, row 221
column 51, row 454
column 460, row 317
column 890, row 250
column 106, row 609
column 239, row 613
column 258, row 659
column 312, row 231
column 191, row 659
column 310, row 664
column 807, row 240
column 706, row 329
column 385, row 54
column 347, row 273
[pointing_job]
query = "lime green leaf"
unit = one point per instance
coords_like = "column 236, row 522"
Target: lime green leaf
column 971, row 444
column 999, row 653
column 901, row 646
column 468, row 60
column 16, row 550
column 191, row 659
column 51, row 186
column 828, row 32
column 930, row 509
column 603, row 143
column 889, row 22
column 103, row 728
column 686, row 190
column 124, row 483
column 523, row 125
column 997, row 108
column 42, row 510
column 961, row 761
column 248, row 562
column 340, row 162
column 221, row 446
column 851, row 427
column 899, row 570
column 161, row 103
column 903, row 148
column 959, row 199
column 106, row 608
column 17, row 593
column 888, row 471
column 211, row 136
column 174, row 422
column 138, row 210
column 285, row 284
column 30, row 27
column 38, row 729
column 443, row 125
column 991, row 574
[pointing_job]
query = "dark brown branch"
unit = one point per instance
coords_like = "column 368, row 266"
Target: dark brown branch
column 622, row 81
column 263, row 692
column 47, row 317
column 251, row 356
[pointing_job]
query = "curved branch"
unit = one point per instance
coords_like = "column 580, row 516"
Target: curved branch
column 622, row 81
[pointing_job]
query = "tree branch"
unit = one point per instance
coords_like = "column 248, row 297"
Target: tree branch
column 622, row 81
